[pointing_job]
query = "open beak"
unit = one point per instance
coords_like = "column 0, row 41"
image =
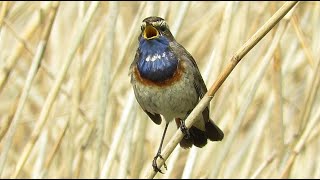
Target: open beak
column 150, row 32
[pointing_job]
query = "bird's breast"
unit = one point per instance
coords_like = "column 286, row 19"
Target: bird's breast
column 170, row 80
column 171, row 98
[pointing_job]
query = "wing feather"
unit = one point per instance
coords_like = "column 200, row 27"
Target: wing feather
column 199, row 84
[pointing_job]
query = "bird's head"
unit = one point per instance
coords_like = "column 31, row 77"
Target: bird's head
column 156, row 60
column 155, row 27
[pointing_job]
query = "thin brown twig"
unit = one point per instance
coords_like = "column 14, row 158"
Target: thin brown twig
column 302, row 40
column 263, row 165
column 18, row 37
column 4, row 12
column 12, row 60
column 55, row 147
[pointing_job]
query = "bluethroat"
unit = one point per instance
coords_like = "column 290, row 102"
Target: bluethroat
column 166, row 81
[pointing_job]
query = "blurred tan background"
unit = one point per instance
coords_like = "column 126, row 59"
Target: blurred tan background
column 76, row 116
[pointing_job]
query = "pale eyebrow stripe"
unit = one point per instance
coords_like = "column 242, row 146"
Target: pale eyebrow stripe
column 143, row 24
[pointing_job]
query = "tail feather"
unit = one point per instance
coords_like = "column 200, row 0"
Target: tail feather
column 186, row 143
column 198, row 137
column 213, row 132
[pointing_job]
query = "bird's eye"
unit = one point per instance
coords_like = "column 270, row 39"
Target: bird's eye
column 163, row 26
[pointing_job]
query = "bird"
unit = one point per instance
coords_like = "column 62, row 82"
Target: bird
column 167, row 82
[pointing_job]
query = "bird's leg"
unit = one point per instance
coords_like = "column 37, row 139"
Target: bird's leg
column 154, row 162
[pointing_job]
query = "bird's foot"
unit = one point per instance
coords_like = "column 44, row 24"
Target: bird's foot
column 154, row 163
column 184, row 129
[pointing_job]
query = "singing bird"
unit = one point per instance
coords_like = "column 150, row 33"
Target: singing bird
column 166, row 81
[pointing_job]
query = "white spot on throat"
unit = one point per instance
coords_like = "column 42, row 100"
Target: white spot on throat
column 155, row 57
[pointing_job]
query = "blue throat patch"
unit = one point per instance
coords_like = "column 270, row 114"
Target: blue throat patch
column 157, row 62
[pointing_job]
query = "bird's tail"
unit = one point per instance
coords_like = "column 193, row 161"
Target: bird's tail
column 198, row 137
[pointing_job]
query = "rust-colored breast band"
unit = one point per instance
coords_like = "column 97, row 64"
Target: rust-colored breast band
column 176, row 77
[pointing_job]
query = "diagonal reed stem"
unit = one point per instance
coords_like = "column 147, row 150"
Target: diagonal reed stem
column 221, row 78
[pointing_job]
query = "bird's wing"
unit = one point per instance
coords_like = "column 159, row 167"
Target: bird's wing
column 199, row 84
column 156, row 118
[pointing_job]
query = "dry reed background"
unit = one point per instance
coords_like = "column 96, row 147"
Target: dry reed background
column 76, row 116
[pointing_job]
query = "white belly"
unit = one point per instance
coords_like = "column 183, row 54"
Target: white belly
column 173, row 101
